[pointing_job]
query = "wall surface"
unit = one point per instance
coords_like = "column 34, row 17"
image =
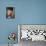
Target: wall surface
column 31, row 11
column 6, row 25
column 26, row 11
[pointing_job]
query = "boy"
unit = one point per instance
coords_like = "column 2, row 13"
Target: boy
column 9, row 13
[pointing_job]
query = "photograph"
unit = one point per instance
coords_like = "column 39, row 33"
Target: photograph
column 29, row 34
column 10, row 13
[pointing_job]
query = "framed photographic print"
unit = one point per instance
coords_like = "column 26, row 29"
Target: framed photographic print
column 33, row 32
column 10, row 12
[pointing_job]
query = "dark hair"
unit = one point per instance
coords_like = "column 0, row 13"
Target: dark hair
column 10, row 8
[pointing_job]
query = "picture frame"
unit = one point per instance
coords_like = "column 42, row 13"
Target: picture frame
column 10, row 12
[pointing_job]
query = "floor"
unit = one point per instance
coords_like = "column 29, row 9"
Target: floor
column 28, row 43
column 7, row 45
column 34, row 43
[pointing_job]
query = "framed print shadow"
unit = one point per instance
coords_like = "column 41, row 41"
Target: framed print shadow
column 10, row 12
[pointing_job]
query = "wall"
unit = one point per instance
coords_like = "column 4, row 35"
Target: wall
column 27, row 12
column 6, row 25
column 31, row 11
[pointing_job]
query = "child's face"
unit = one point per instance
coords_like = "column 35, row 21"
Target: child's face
column 10, row 13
